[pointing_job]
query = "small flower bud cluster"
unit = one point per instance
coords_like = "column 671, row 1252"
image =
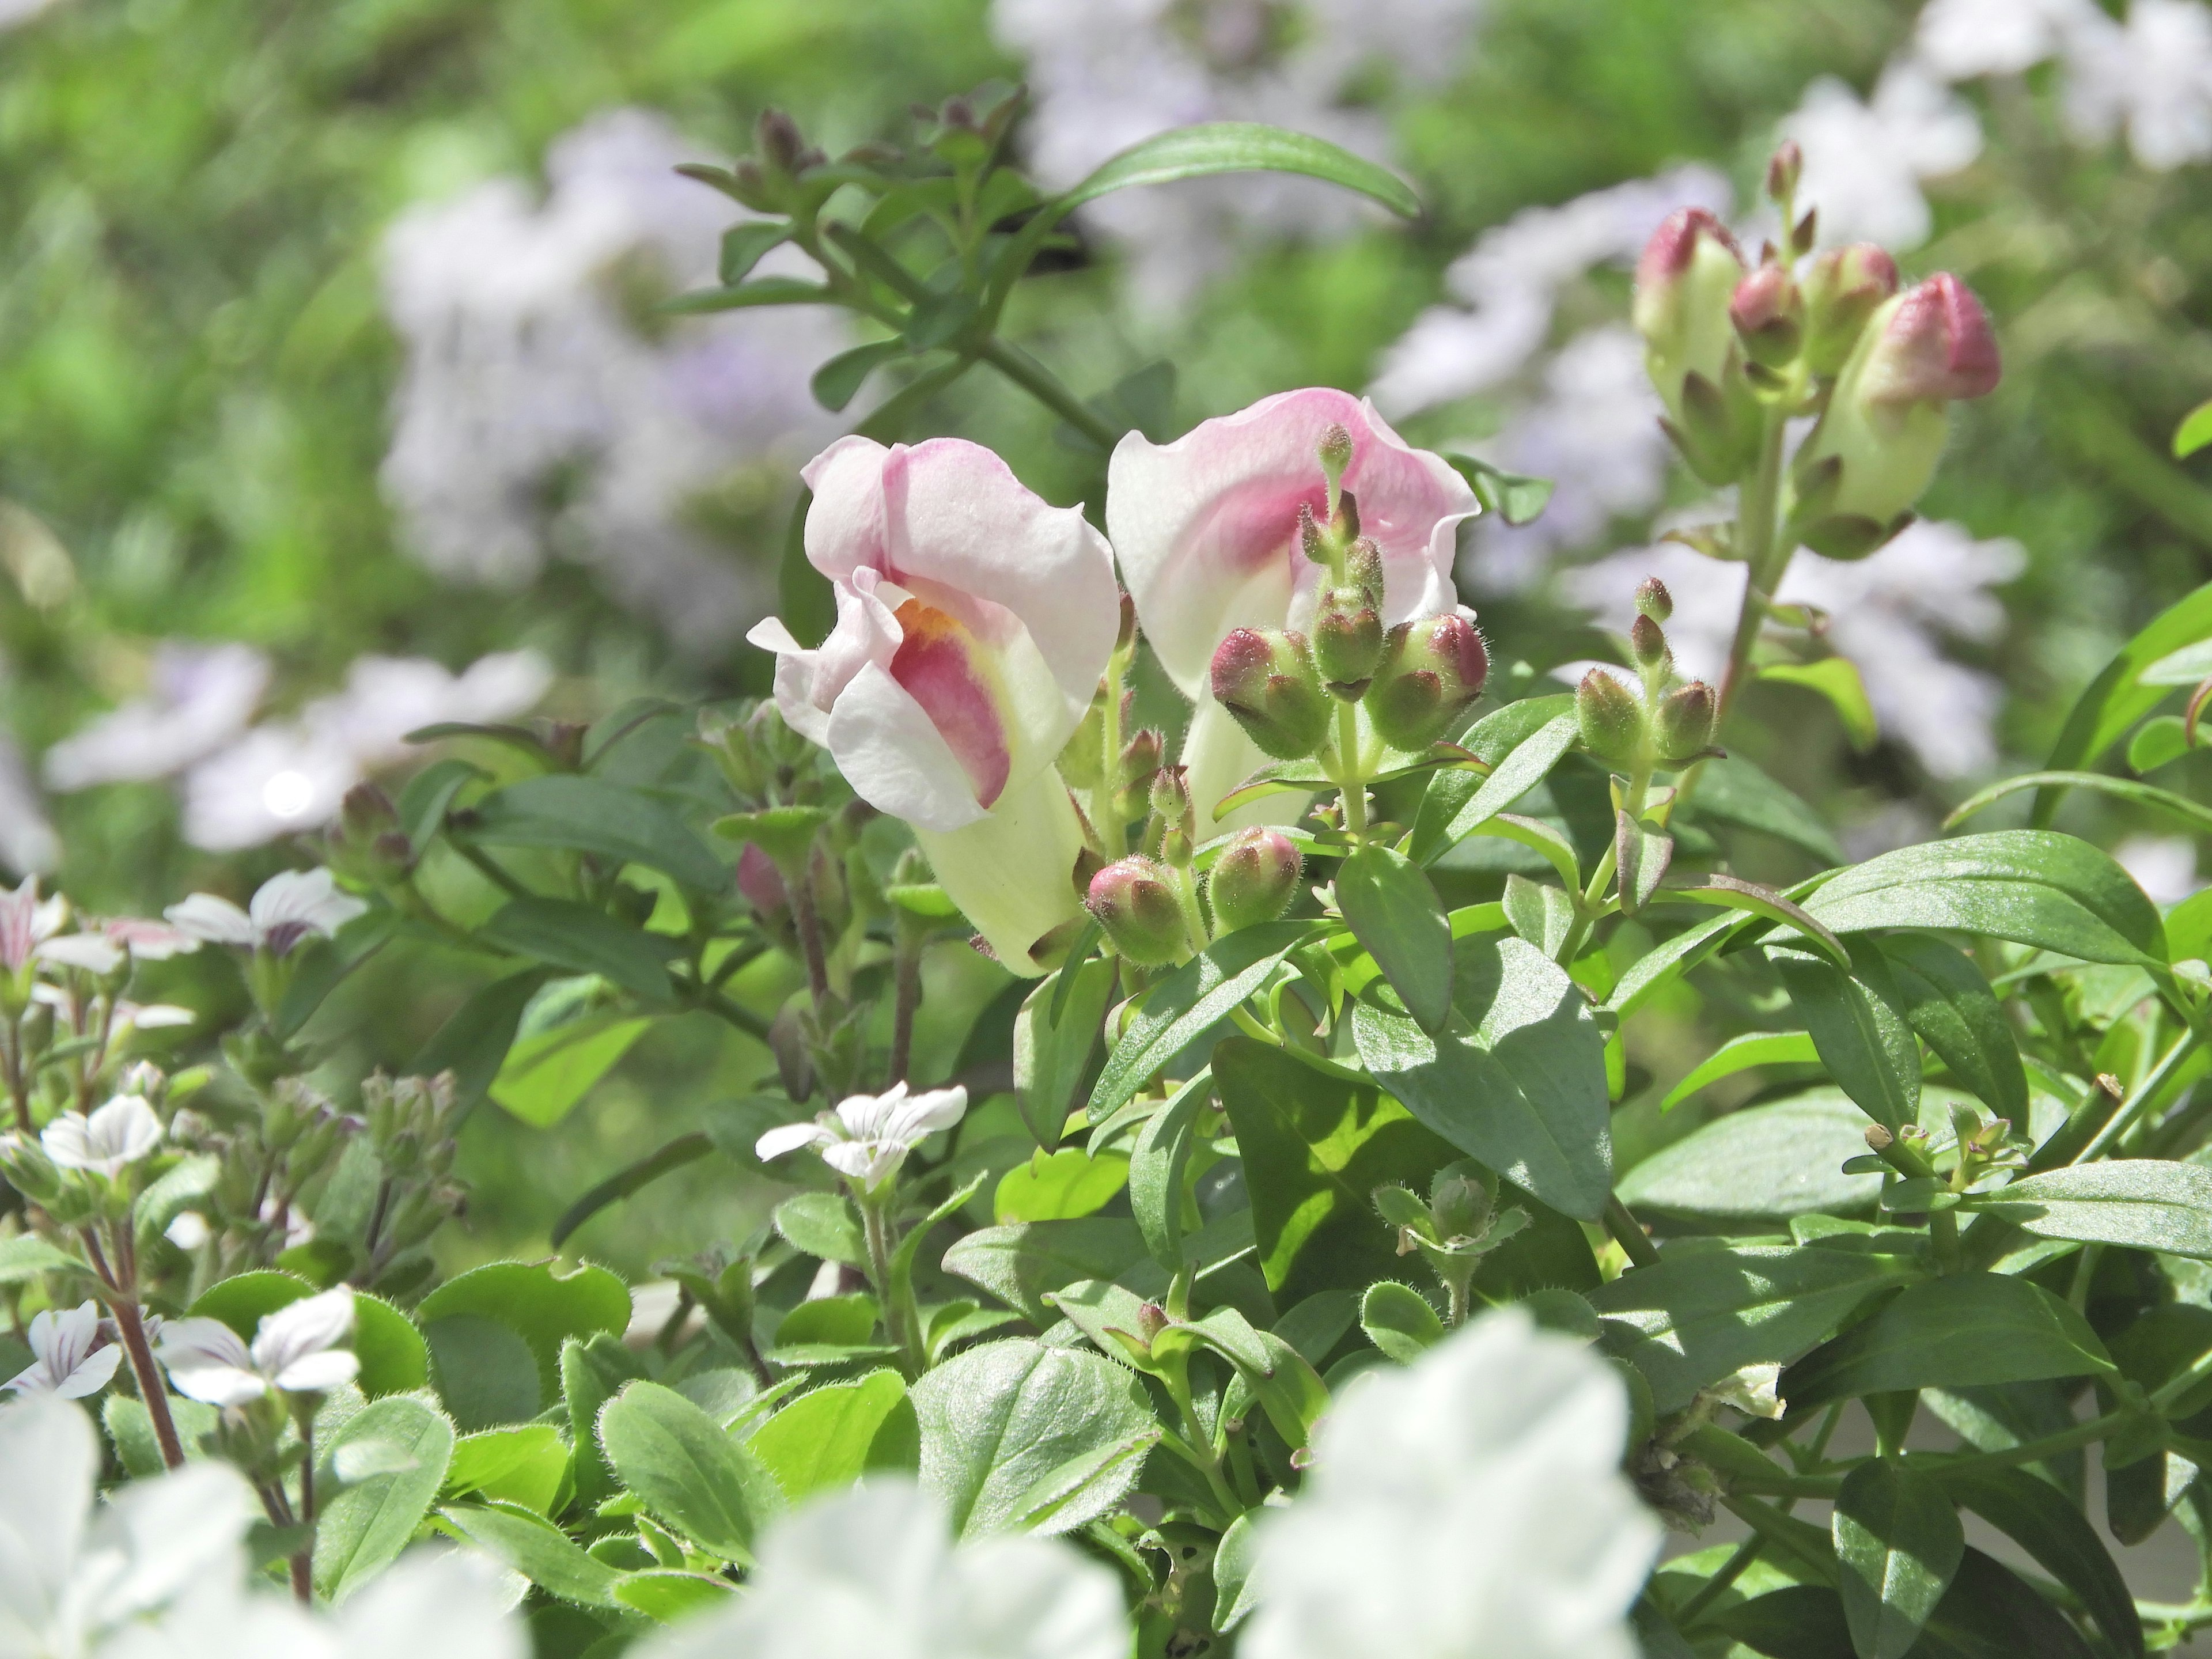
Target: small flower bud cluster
column 1662, row 724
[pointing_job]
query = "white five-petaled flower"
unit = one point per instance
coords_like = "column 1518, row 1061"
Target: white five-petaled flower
column 286, row 909
column 116, row 1136
column 297, row 1350
column 26, row 923
column 868, row 1136
column 64, row 1361
column 1472, row 1504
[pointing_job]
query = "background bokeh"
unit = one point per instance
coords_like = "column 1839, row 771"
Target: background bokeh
column 337, row 397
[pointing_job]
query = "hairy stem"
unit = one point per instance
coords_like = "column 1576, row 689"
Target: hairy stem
column 123, row 1306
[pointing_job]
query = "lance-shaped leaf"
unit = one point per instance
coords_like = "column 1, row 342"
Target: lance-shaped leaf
column 1952, row 1009
column 1858, row 1028
column 1438, row 829
column 1742, row 1053
column 1731, row 894
column 1395, row 915
column 1898, row 1542
column 1055, row 1035
column 2117, row 698
column 2038, row 1517
column 2144, row 1204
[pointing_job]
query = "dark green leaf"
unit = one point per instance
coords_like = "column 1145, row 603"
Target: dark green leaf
column 1398, row 919
column 423, row 802
column 2145, row 1204
column 592, row 1373
column 2036, row 1517
column 1991, row 1613
column 1022, row 1265
column 685, row 1149
column 1514, row 774
column 1214, row 146
column 1952, row 1009
column 1661, row 966
column 1742, row 1053
column 1797, row 1621
column 1859, row 1029
column 761, row 291
column 744, row 245
column 1898, row 1542
column 1157, row 1164
column 686, row 1471
column 1055, row 1035
column 540, row 1303
column 1734, row 791
column 1540, row 913
column 473, row 1044
column 836, row 381
column 486, row 1373
column 591, row 814
column 1763, row 1164
column 361, row 1530
column 583, row 940
column 1957, row 1332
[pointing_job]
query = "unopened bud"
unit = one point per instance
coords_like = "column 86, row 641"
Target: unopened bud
column 1430, row 671
column 1767, row 313
column 367, row 812
column 777, row 139
column 1684, row 281
column 1335, row 453
column 1134, row 900
column 1311, row 542
column 1648, row 641
column 1134, row 770
column 1175, row 813
column 761, row 881
column 29, row 1170
column 1461, row 1208
column 1126, row 635
column 1347, row 639
column 1267, row 682
column 1653, row 600
column 1842, row 288
column 1151, row 1318
column 1783, row 169
column 1932, row 343
column 1684, row 722
column 1610, row 717
column 1253, row 880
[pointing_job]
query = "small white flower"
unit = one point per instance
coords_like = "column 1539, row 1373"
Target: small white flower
column 1469, row 1507
column 116, row 1136
column 1962, row 39
column 95, row 953
column 871, row 1570
column 65, row 1362
column 2152, row 75
column 286, row 909
column 201, row 697
column 868, row 1136
column 26, row 922
column 148, row 940
column 297, row 1350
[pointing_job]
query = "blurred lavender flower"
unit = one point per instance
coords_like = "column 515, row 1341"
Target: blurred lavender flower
column 1960, row 39
column 1106, row 74
column 117, row 1135
column 299, row 1349
column 1864, row 162
column 545, row 407
column 200, row 697
column 292, row 775
column 290, row 906
column 1889, row 613
column 27, row 842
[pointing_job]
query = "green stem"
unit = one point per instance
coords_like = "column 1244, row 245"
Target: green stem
column 492, row 870
column 897, row 1300
column 1726, row 1574
column 2140, row 1098
column 1352, row 776
column 1033, row 378
column 1194, row 1443
column 1628, row 1234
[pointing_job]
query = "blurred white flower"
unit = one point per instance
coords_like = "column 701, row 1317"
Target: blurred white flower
column 1961, row 40
column 285, row 909
column 64, row 1362
column 293, row 776
column 1469, row 1507
column 1106, row 74
column 1889, row 613
column 544, row 409
column 1506, row 285
column 201, row 697
column 146, row 939
column 1864, row 162
column 871, row 1570
column 26, row 922
column 116, row 1136
column 27, row 842
column 297, row 1349
column 2151, row 75
column 96, row 953
column 868, row 1136
column 189, row 1230
column 2164, row 866
column 71, row 1580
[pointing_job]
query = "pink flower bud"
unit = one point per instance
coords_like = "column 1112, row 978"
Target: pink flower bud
column 1267, row 682
column 1430, row 671
column 1931, row 343
column 1684, row 282
column 760, row 881
column 1842, row 288
column 1134, row 900
column 1766, row 310
column 1253, row 878
column 1648, row 641
column 1653, row 600
column 1783, row 169
column 1175, row 815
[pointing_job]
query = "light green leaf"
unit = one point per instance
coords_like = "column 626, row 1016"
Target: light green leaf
column 831, row 1437
column 1516, row 499
column 523, row 1464
column 1742, row 1053
column 1022, row 1265
column 1157, row 1164
column 1055, row 1035
column 1761, row 1164
column 537, row 1549
column 1395, row 913
column 2194, row 432
column 545, row 1075
column 361, row 1530
column 1898, row 1542
column 2117, row 699
column 667, row 1595
column 1518, row 771
column 2144, row 1204
column 539, row 1302
column 687, row 1471
column 26, row 1256
column 1540, row 913
column 2192, row 815
column 1194, row 152
column 1400, row 1321
column 1061, row 1186
column 837, row 381
column 1836, row 678
column 822, row 1225
column 1732, row 790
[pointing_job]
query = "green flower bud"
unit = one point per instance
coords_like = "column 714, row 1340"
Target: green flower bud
column 1684, row 281
column 1347, row 640
column 29, row 1170
column 1363, row 567
column 1842, row 288
column 1253, row 880
column 1653, row 600
column 1135, row 902
column 1684, row 722
column 1266, row 681
column 1648, row 641
column 1612, row 718
column 1140, row 760
column 1176, row 814
column 1430, row 671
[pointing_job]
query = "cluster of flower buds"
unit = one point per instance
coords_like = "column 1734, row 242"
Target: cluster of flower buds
column 766, row 762
column 369, row 844
column 1459, row 1225
column 1148, row 906
column 1664, row 723
column 1735, row 349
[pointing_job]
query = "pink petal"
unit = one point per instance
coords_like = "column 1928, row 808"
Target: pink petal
column 895, row 758
column 940, row 667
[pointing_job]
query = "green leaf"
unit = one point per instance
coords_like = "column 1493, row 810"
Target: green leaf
column 686, row 1471
column 1539, row 837
column 472, row 1044
column 592, row 1373
column 1060, row 1187
column 545, row 1074
column 1518, row 771
column 1023, row 1265
column 1861, row 1034
column 537, row 1549
column 830, row 1437
column 1708, row 1314
column 743, row 245
column 1055, row 1035
column 2157, row 741
column 2190, row 814
column 26, row 1255
column 540, row 1303
column 591, row 814
column 1742, row 1053
column 837, row 381
column 1509, row 496
column 2034, row 1514
column 393, row 1359
column 1664, row 963
column 486, row 1374
column 1991, row 1613
column 1953, row 1333
column 1836, row 678
column 1517, row 1082
column 1641, row 855
column 1188, row 1003
column 423, row 803
column 1316, row 1145
column 524, row 1465
column 822, row 1225
column 1760, row 1164
column 185, row 1184
column 2117, row 698
column 1731, row 894
column 1194, row 152
column 583, row 940
column 1490, row 739
column 1540, row 913
column 1398, row 919
column 761, row 291
column 1952, row 1009
column 2031, row 886
column 2144, row 1204
column 1797, row 1621
column 2187, row 667
column 320, row 966
column 1157, row 1165
column 361, row 1530
column 2194, row 432
column 1234, row 1560
column 1732, row 790
column 1399, row 1321
column 1898, row 1542
column 623, row 1183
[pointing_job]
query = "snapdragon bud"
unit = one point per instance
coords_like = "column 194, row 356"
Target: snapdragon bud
column 1175, row 813
column 1610, row 717
column 1267, row 682
column 1768, row 313
column 1363, row 567
column 1335, row 455
column 1653, row 600
column 1684, row 281
column 1783, row 169
column 1842, row 288
column 761, row 881
column 1134, row 771
column 1253, row 880
column 1431, row 670
column 29, row 1170
column 1134, row 900
column 1649, row 643
column 1347, row 641
column 1683, row 722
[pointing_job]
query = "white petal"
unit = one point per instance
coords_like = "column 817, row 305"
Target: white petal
column 218, row 1385
column 206, row 1361
column 68, row 1142
column 51, row 1455
column 89, row 952
column 1013, row 871
column 301, row 1328
column 433, row 1606
column 303, row 898
column 217, row 920
column 92, row 1374
column 897, row 760
column 870, row 1163
column 866, row 1116
column 174, row 1531
column 319, row 1373
column 1216, row 756
column 124, row 1131
column 789, row 1137
column 926, row 1113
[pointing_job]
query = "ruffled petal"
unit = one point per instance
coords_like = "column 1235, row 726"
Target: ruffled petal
column 895, row 757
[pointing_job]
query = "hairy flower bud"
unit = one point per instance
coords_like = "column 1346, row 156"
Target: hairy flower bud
column 1363, row 567
column 1688, row 271
column 1430, row 671
column 1610, row 717
column 1269, row 683
column 1134, row 771
column 1842, row 288
column 1253, row 878
column 1176, row 814
column 1931, row 343
column 1683, row 722
column 761, row 881
column 1653, row 600
column 1648, row 641
column 1335, row 454
column 1347, row 639
column 1134, row 900
column 1784, row 168
column 1768, row 312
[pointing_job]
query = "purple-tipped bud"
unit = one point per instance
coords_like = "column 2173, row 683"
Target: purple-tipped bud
column 1269, row 683
column 1842, row 290
column 1127, row 635
column 1784, row 168
column 1347, row 640
column 1683, row 722
column 1134, row 900
column 1430, row 671
column 1612, row 718
column 776, row 138
column 1688, row 272
column 1335, row 454
column 1253, row 880
column 368, row 811
column 1932, row 343
column 1653, row 600
column 1141, row 757
column 1311, row 542
column 761, row 881
column 1768, row 313
column 1648, row 641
